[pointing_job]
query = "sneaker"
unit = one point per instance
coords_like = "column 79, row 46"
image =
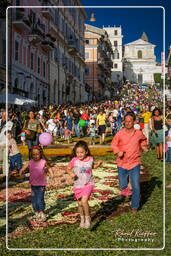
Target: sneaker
column 134, row 211
column 42, row 217
column 87, row 223
column 82, row 222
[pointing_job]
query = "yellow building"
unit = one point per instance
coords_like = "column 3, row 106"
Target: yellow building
column 98, row 53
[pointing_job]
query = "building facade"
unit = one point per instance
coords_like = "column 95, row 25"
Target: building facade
column 115, row 37
column 98, row 52
column 140, row 61
column 47, row 52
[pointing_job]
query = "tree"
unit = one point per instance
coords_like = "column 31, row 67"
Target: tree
column 157, row 78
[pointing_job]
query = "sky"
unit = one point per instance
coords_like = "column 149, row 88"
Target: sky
column 135, row 21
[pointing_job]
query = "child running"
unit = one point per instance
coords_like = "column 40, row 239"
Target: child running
column 82, row 164
column 38, row 169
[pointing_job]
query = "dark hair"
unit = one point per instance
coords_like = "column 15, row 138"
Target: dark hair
column 81, row 144
column 156, row 109
column 42, row 156
column 8, row 132
column 130, row 114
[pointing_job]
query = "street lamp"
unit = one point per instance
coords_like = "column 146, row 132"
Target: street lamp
column 92, row 18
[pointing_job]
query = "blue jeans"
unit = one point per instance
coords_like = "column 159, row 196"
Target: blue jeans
column 15, row 162
column 168, row 155
column 134, row 175
column 77, row 130
column 37, row 198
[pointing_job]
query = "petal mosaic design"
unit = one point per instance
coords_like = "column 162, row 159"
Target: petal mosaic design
column 60, row 206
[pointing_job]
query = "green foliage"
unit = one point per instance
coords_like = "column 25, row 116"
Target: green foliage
column 157, row 78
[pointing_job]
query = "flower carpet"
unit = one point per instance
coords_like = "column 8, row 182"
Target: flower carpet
column 60, row 206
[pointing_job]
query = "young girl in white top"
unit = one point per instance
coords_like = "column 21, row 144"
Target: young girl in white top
column 82, row 164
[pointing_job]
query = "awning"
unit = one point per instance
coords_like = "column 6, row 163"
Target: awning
column 16, row 99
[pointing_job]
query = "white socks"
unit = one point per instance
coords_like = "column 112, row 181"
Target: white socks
column 82, row 222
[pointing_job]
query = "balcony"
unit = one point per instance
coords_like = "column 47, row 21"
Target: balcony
column 47, row 12
column 36, row 35
column 21, row 21
column 40, row 27
column 47, row 45
column 53, row 29
column 34, row 38
column 72, row 46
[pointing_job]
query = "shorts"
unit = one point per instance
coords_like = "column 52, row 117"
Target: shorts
column 85, row 191
column 102, row 129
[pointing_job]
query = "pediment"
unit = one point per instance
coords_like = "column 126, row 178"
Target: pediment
column 139, row 42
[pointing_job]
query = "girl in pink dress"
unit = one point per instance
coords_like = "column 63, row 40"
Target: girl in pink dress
column 82, row 164
column 38, row 169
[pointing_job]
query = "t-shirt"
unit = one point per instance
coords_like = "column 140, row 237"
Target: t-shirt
column 101, row 119
column 51, row 125
column 37, row 173
column 13, row 148
column 146, row 116
column 83, row 170
column 33, row 126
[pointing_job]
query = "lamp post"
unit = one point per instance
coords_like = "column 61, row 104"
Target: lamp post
column 93, row 19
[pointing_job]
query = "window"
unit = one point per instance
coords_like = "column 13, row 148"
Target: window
column 16, row 50
column 115, row 32
column 116, row 54
column 44, row 69
column 115, row 43
column 38, row 65
column 87, row 71
column 86, row 55
column 87, row 41
column 32, row 61
column 115, row 65
column 139, row 54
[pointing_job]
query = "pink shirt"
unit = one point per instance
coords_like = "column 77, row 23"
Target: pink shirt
column 130, row 143
column 83, row 170
column 37, row 173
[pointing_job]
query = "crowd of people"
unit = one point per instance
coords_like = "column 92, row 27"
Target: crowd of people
column 93, row 120
column 137, row 117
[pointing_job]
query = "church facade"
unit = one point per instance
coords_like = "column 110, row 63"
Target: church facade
column 140, row 61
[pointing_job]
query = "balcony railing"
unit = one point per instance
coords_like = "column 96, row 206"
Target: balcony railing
column 35, row 38
column 53, row 29
column 21, row 21
column 72, row 45
column 47, row 45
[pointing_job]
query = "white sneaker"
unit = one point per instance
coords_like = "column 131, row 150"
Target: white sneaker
column 87, row 223
column 82, row 222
